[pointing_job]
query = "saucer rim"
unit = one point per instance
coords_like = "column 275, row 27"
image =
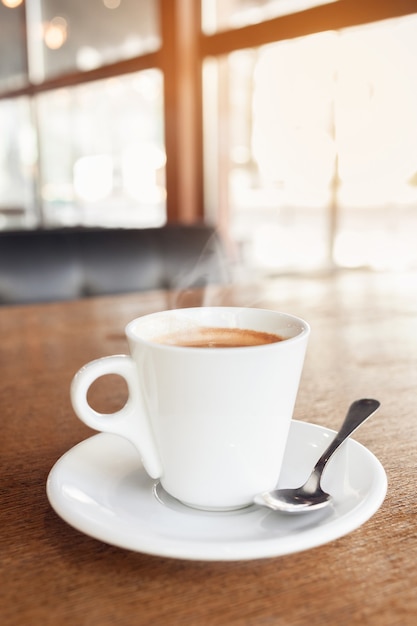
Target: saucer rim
column 220, row 551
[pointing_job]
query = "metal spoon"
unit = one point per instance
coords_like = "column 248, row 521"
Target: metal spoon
column 311, row 496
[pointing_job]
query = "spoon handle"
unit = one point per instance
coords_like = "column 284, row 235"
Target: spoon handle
column 359, row 411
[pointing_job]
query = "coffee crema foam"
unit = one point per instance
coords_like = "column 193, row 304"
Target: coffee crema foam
column 213, row 337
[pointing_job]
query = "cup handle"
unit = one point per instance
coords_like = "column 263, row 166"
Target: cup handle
column 131, row 422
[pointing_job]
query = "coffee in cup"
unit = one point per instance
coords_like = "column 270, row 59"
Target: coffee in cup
column 212, row 337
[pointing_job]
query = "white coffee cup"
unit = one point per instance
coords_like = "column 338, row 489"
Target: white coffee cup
column 210, row 424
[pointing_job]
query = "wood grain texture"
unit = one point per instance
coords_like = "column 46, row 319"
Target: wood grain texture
column 363, row 343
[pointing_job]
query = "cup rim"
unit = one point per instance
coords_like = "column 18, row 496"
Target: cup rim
column 303, row 333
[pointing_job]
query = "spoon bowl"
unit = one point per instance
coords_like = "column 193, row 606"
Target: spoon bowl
column 310, row 496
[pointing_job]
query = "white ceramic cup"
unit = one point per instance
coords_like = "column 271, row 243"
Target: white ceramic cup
column 210, row 423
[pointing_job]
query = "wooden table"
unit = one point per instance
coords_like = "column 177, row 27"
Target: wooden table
column 363, row 343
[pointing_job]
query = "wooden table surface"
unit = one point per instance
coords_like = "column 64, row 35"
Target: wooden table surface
column 363, row 344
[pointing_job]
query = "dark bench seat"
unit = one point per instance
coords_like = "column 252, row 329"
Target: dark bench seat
column 49, row 265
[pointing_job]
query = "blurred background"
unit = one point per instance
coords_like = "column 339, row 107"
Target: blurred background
column 288, row 124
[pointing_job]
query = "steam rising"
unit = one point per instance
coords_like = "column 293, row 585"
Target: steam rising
column 217, row 279
column 199, row 285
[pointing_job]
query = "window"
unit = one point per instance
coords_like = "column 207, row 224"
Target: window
column 310, row 146
column 13, row 58
column 84, row 143
column 289, row 123
column 96, row 172
column 319, row 128
column 18, row 163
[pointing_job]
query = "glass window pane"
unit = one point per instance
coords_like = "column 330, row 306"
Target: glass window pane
column 220, row 15
column 278, row 163
column 83, row 35
column 102, row 152
column 327, row 147
column 375, row 108
column 18, row 158
column 13, row 63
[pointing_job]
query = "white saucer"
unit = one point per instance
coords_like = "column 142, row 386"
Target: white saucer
column 101, row 488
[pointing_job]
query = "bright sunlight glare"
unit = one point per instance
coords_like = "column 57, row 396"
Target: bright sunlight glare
column 334, row 116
